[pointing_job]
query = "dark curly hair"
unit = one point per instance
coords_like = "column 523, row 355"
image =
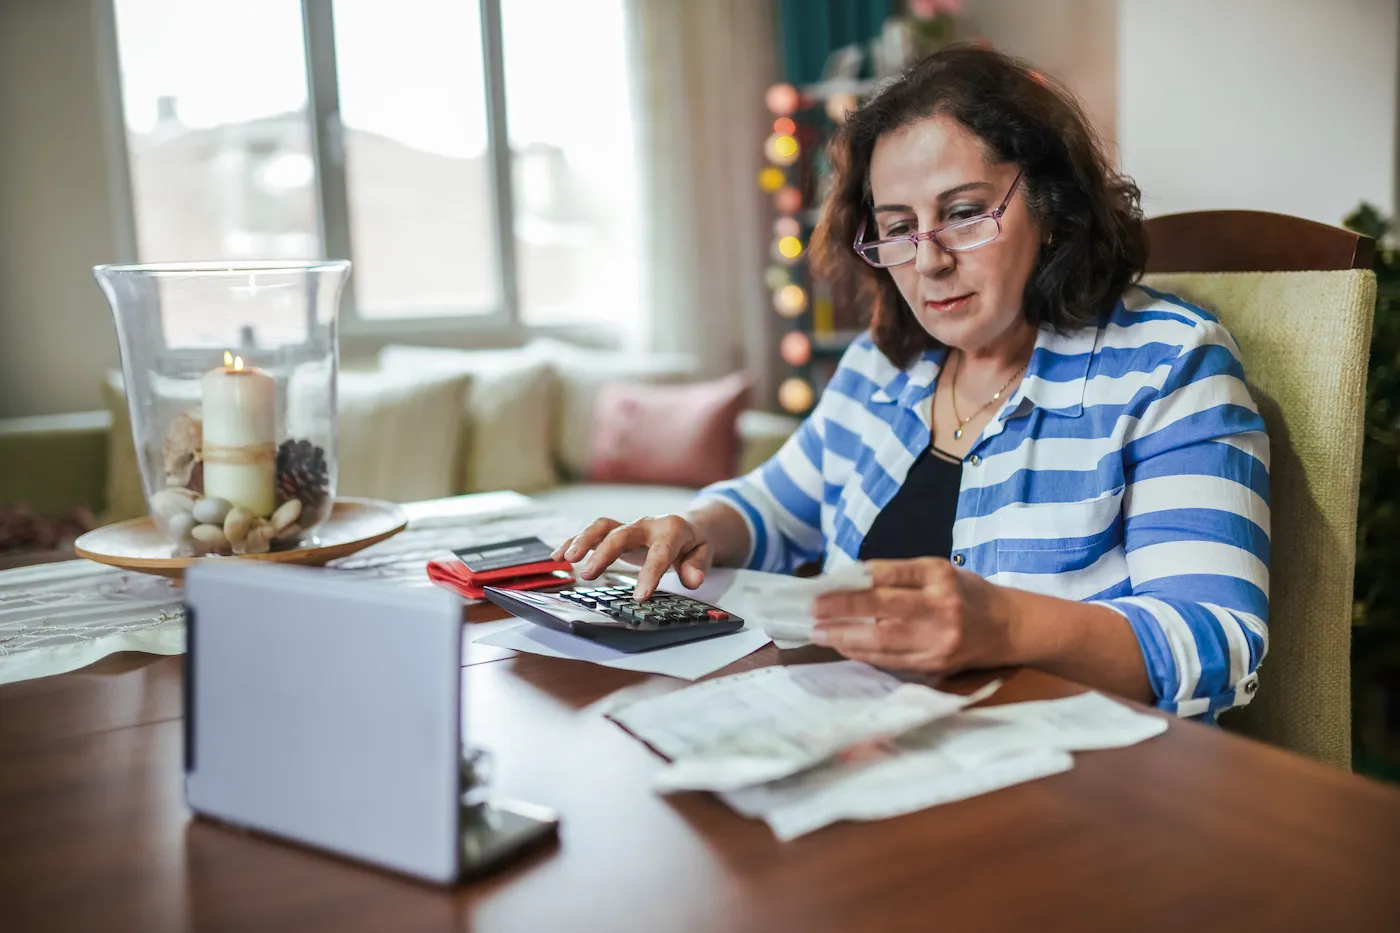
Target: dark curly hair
column 1093, row 214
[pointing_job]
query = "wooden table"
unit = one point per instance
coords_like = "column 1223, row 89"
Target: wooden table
column 1195, row 830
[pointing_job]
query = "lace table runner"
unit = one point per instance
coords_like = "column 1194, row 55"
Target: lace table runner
column 62, row 616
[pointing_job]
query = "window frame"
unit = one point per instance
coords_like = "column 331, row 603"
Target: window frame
column 360, row 335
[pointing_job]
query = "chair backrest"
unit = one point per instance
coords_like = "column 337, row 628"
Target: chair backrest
column 1299, row 297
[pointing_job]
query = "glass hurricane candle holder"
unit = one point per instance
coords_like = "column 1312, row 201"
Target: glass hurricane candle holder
column 230, row 378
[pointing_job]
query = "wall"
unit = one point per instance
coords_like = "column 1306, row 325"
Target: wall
column 1280, row 105
column 1075, row 41
column 56, row 208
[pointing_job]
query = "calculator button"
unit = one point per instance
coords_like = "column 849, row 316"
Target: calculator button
column 719, row 615
column 585, row 602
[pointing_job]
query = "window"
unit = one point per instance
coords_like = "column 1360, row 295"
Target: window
column 474, row 159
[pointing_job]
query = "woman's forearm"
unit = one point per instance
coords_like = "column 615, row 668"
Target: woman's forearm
column 725, row 530
column 1089, row 644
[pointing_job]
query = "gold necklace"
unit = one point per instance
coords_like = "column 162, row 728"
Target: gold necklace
column 996, row 397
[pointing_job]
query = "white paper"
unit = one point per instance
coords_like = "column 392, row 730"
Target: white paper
column 779, row 603
column 902, row 783
column 1074, row 724
column 783, row 604
column 767, row 724
column 970, row 753
column 689, row 661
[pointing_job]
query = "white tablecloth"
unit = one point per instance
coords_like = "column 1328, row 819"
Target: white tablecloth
column 60, row 617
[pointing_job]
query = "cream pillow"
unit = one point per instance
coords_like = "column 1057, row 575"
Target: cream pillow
column 582, row 372
column 399, row 434
column 506, row 418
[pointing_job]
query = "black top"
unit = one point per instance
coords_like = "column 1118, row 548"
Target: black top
column 918, row 521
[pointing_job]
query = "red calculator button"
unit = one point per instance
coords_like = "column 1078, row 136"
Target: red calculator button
column 718, row 615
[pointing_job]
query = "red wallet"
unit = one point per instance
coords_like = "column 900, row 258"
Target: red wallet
column 457, row 577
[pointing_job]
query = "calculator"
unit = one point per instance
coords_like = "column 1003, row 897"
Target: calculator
column 610, row 616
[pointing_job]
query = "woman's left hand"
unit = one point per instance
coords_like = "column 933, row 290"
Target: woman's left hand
column 927, row 616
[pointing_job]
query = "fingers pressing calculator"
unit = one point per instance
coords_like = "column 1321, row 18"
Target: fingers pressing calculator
column 610, row 616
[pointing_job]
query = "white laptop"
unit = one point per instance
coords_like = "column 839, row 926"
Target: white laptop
column 328, row 712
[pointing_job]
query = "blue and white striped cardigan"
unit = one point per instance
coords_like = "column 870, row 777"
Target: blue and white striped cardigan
column 1130, row 469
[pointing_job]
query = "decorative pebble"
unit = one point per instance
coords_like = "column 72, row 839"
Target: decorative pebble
column 259, row 539
column 171, row 501
column 212, row 511
column 180, row 526
column 287, row 534
column 286, row 515
column 237, row 523
column 184, row 437
column 208, row 534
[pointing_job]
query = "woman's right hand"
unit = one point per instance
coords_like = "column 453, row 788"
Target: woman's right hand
column 656, row 544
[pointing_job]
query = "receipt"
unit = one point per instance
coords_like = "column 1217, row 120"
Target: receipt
column 784, row 605
column 1080, row 723
column 902, row 782
column 973, row 752
column 771, row 723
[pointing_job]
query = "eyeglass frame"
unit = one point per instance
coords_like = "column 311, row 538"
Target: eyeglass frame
column 915, row 238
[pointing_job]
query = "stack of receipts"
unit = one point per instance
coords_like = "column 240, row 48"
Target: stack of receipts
column 804, row 746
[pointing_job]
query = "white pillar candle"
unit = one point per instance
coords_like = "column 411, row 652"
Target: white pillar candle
column 239, row 445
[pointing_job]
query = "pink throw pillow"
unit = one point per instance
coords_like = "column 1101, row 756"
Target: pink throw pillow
column 674, row 435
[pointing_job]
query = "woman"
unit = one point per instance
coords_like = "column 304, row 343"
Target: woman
column 1045, row 464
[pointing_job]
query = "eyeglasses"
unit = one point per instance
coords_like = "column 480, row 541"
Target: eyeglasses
column 958, row 236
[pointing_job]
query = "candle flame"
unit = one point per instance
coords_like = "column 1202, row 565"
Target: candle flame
column 238, row 364
column 232, row 362
column 228, row 358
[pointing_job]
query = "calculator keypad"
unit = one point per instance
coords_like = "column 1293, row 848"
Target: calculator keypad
column 660, row 610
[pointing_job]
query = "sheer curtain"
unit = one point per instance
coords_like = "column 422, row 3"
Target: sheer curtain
column 702, row 68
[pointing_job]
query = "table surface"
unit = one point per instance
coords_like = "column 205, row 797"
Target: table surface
column 1196, row 829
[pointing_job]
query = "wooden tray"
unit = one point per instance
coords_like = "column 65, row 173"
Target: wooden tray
column 354, row 525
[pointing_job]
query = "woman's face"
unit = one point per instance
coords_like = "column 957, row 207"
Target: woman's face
column 935, row 172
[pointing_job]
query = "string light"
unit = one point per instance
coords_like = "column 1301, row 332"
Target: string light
column 787, row 200
column 795, row 349
column 781, row 149
column 771, row 179
column 782, row 99
column 790, row 300
column 795, row 395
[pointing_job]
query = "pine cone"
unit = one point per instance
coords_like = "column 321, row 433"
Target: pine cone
column 302, row 474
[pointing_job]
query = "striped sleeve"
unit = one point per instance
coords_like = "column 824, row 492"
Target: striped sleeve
column 780, row 501
column 1196, row 531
